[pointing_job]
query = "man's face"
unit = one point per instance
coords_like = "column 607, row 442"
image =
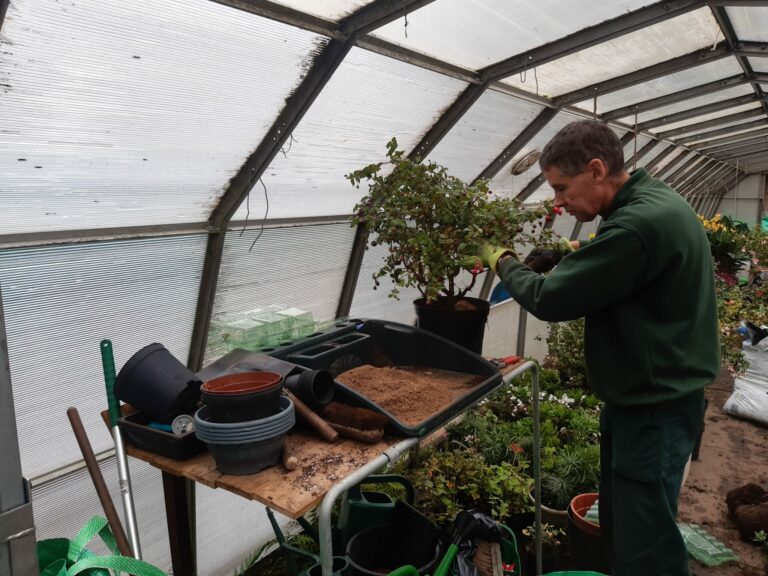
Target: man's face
column 581, row 195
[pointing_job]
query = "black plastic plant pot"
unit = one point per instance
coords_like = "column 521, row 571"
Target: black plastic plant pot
column 411, row 538
column 157, row 384
column 313, row 387
column 242, row 397
column 247, row 457
column 465, row 327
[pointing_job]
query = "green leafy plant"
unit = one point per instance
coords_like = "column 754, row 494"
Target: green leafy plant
column 573, row 470
column 728, row 239
column 551, row 536
column 761, row 538
column 435, row 225
column 565, row 343
column 453, row 480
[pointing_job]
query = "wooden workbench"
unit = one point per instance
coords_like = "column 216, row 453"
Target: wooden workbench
column 321, row 465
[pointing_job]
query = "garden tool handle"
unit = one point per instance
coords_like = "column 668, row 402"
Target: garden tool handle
column 98, row 482
column 108, row 365
column 321, row 426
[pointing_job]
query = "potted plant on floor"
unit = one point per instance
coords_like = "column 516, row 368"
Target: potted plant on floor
column 552, row 538
column 434, row 226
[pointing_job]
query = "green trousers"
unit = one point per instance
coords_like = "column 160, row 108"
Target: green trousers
column 643, row 453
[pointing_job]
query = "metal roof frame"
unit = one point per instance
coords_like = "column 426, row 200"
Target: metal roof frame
column 735, row 145
column 711, row 123
column 720, row 131
column 735, row 139
column 652, row 103
column 697, row 111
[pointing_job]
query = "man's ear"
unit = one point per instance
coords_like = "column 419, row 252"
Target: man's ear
column 598, row 169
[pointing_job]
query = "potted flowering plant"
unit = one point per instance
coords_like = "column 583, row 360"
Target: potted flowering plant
column 727, row 240
column 434, row 226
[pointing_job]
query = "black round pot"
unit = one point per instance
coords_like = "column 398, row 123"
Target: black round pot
column 380, row 549
column 313, row 387
column 242, row 397
column 154, row 382
column 464, row 327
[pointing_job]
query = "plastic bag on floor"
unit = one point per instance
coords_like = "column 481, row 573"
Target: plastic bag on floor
column 750, row 391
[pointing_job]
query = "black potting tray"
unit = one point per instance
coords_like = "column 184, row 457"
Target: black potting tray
column 138, row 433
column 355, row 342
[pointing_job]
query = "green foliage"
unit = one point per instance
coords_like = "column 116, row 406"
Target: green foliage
column 727, row 241
column 551, row 536
column 573, row 470
column 761, row 538
column 565, row 342
column 453, row 480
column 434, row 224
column 267, row 560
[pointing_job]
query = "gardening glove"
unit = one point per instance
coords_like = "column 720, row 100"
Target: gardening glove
column 490, row 255
column 542, row 260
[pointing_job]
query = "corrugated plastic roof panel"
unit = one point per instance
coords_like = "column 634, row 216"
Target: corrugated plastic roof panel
column 726, row 94
column 652, row 153
column 677, row 152
column 477, row 33
column 329, row 9
column 347, row 128
column 483, row 132
column 710, row 116
column 509, row 185
column 636, row 50
column 759, row 64
column 134, row 113
column 664, row 85
column 749, row 23
column 745, row 132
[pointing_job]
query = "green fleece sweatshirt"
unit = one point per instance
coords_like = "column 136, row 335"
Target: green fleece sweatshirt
column 645, row 286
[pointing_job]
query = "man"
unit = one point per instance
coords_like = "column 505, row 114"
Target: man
column 645, row 285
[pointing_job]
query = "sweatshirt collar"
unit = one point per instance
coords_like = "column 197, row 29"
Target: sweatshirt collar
column 624, row 193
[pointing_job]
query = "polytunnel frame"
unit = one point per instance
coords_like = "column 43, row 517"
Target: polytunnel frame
column 353, row 30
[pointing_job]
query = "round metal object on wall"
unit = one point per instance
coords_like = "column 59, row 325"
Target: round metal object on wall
column 528, row 160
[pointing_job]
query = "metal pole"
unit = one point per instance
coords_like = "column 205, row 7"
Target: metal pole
column 18, row 556
column 324, row 515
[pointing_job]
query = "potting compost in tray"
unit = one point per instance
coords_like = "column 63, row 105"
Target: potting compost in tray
column 411, row 394
column 417, row 379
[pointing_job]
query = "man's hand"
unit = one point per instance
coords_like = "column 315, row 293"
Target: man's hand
column 490, row 255
column 542, row 260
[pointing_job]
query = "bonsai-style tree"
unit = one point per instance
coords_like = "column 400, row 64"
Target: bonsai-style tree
column 435, row 225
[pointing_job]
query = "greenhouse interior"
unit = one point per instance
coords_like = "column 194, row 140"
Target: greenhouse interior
column 195, row 192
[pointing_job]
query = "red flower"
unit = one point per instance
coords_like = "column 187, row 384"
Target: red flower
column 557, row 210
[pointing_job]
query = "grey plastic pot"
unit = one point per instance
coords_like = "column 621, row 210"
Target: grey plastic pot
column 245, row 431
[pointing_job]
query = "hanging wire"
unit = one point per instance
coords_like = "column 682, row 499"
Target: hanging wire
column 405, row 14
column 536, row 78
column 263, row 220
column 594, row 106
column 524, row 73
column 290, row 145
column 634, row 154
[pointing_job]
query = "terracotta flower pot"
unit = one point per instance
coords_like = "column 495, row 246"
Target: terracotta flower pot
column 241, row 397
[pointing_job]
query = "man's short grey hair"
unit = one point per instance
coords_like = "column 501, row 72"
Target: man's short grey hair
column 572, row 148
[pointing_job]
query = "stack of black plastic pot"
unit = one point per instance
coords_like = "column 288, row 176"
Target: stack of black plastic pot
column 244, row 421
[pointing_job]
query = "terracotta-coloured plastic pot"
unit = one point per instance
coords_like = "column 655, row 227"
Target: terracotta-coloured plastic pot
column 580, row 505
column 242, row 397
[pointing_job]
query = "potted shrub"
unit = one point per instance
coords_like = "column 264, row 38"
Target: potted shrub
column 434, row 226
column 552, row 538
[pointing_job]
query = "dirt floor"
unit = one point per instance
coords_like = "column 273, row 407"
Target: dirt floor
column 733, row 453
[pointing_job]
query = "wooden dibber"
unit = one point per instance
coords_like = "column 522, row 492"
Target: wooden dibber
column 306, row 414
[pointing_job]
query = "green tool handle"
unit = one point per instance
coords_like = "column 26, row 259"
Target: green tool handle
column 108, row 365
column 444, row 568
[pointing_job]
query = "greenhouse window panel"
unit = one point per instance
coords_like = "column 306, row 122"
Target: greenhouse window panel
column 128, row 114
column 348, row 127
column 61, row 301
column 275, row 284
column 664, row 85
column 483, row 132
column 712, row 120
column 759, row 65
column 749, row 22
column 477, row 33
column 634, row 51
column 509, row 184
column 334, row 10
column 745, row 90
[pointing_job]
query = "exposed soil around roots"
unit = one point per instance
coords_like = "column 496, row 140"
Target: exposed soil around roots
column 733, row 453
column 412, row 394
